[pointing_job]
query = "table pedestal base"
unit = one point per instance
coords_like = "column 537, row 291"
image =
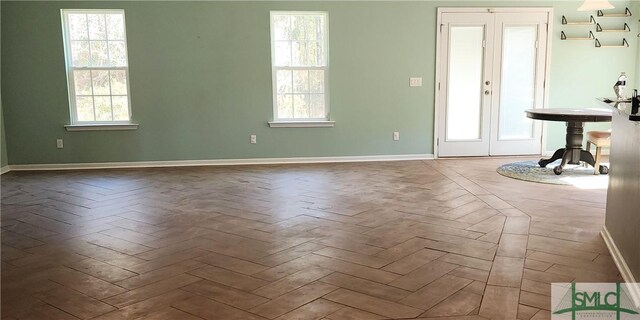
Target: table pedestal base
column 572, row 153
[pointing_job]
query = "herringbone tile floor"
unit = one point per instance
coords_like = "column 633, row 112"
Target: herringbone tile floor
column 445, row 239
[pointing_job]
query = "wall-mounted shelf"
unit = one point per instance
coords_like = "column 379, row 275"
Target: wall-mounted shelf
column 563, row 36
column 625, row 28
column 591, row 21
column 627, row 13
column 624, row 44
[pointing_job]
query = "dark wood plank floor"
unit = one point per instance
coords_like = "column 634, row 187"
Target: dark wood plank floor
column 382, row 240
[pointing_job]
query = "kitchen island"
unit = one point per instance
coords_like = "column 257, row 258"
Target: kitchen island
column 622, row 223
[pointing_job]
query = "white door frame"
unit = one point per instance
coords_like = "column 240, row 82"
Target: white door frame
column 438, row 107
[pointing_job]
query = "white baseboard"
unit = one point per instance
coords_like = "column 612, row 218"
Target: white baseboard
column 634, row 287
column 217, row 162
column 4, row 169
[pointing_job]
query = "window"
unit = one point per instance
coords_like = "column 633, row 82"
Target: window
column 300, row 64
column 97, row 66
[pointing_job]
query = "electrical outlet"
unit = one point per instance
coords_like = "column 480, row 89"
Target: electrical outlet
column 415, row 82
column 396, row 136
column 59, row 143
column 253, row 139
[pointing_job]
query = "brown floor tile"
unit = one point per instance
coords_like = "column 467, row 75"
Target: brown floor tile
column 346, row 244
column 101, row 270
column 75, row 303
column 233, row 297
column 470, row 273
column 356, row 270
column 289, row 254
column 512, row 245
column 86, row 284
column 348, row 313
column 45, row 312
column 459, row 304
column 500, row 303
column 229, row 278
column 435, row 292
column 353, row 257
column 293, row 300
column 526, row 312
column 535, row 300
column 148, row 306
column 516, row 225
column 208, row 309
column 233, row 264
column 312, row 310
column 291, row 282
column 371, row 304
column 547, row 277
column 423, row 275
column 413, row 261
column 536, row 265
column 404, row 249
column 152, row 290
column 169, row 313
column 476, row 287
column 365, row 286
column 506, row 272
column 467, row 261
column 542, row 315
column 160, row 274
column 536, row 287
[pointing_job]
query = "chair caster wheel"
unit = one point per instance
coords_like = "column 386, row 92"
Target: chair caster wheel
column 557, row 170
column 542, row 163
column 603, row 170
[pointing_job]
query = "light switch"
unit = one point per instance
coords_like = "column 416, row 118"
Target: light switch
column 415, row 82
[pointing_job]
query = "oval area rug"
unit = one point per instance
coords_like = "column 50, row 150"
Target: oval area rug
column 575, row 175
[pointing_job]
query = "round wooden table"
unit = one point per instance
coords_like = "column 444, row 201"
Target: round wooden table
column 572, row 153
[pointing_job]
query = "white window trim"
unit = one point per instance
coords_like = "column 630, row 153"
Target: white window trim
column 102, row 126
column 300, row 122
column 92, row 125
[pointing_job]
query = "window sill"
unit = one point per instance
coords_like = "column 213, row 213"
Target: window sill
column 102, row 127
column 302, row 124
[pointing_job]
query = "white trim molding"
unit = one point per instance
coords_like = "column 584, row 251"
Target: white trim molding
column 217, row 162
column 302, row 124
column 623, row 268
column 4, row 169
column 101, row 127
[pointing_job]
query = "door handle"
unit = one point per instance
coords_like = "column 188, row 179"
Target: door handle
column 487, row 92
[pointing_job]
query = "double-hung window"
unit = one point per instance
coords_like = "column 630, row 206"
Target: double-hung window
column 97, row 66
column 300, row 66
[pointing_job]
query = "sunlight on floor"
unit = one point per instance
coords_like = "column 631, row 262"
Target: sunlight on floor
column 591, row 183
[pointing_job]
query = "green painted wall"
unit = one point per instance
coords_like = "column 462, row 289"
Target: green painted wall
column 201, row 80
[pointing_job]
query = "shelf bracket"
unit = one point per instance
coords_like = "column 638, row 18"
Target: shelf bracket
column 591, row 21
column 624, row 44
column 591, row 36
column 627, row 13
column 625, row 28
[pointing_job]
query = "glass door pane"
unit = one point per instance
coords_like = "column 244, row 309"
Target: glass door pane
column 518, row 79
column 464, row 96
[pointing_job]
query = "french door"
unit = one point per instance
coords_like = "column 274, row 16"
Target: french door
column 492, row 68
